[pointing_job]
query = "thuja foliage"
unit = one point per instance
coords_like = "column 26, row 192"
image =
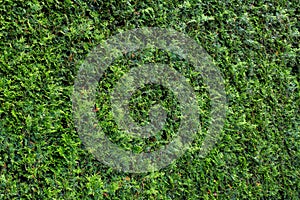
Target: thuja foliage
column 255, row 44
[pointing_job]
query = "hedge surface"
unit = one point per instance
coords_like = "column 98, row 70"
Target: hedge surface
column 255, row 44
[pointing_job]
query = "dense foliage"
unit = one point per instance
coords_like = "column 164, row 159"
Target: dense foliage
column 255, row 44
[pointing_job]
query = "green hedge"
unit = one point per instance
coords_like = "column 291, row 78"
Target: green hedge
column 255, row 44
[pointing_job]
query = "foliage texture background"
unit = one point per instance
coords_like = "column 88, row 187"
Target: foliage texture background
column 255, row 44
